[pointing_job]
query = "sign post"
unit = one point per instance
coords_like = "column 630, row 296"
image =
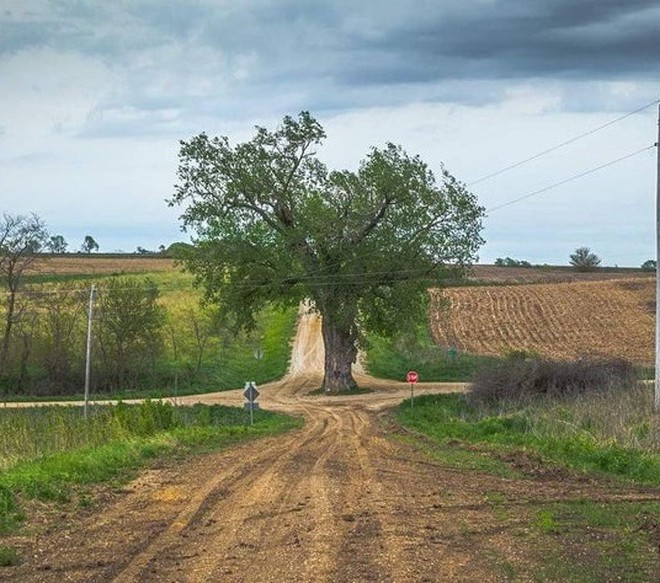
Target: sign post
column 412, row 377
column 251, row 393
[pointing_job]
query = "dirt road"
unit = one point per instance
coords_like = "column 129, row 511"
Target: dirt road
column 336, row 501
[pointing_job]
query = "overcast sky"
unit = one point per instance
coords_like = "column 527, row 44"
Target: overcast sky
column 94, row 97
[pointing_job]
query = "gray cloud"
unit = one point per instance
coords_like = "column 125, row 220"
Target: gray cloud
column 204, row 58
column 593, row 40
column 370, row 42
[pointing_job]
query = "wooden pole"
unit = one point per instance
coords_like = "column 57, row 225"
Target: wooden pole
column 657, row 273
column 88, row 359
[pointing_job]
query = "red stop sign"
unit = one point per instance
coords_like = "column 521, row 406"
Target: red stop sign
column 412, row 377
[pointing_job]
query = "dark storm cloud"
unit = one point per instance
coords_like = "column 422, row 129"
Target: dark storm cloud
column 587, row 39
column 217, row 58
column 483, row 38
column 372, row 42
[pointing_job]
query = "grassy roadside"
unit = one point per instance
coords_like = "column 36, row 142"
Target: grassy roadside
column 392, row 359
column 51, row 454
column 579, row 538
column 553, row 431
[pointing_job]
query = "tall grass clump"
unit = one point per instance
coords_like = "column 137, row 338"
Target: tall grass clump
column 35, row 432
column 589, row 399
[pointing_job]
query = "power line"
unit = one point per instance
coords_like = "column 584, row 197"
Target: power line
column 562, row 144
column 364, row 277
column 567, row 180
column 315, row 278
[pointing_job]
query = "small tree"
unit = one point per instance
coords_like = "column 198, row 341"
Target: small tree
column 62, row 316
column 649, row 265
column 584, row 260
column 130, row 325
column 20, row 239
column 57, row 244
column 89, row 244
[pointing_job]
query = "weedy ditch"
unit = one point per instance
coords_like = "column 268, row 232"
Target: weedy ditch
column 575, row 432
column 50, row 453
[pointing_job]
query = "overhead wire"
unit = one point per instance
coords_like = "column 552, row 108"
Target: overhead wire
column 365, row 277
column 489, row 210
column 567, row 180
column 562, row 144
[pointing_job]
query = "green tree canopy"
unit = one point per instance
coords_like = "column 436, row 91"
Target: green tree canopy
column 584, row 260
column 89, row 244
column 57, row 244
column 273, row 224
column 649, row 265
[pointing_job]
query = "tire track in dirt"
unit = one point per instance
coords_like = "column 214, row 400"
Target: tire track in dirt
column 224, row 506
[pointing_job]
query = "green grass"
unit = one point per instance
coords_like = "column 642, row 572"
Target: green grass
column 8, row 556
column 571, row 540
column 62, row 452
column 392, row 359
column 585, row 540
column 544, row 430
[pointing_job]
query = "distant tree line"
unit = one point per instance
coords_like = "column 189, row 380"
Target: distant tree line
column 508, row 262
column 136, row 342
column 582, row 259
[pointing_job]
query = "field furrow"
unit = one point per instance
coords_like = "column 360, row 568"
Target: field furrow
column 613, row 318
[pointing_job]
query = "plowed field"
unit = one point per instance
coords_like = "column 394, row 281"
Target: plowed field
column 557, row 320
column 74, row 264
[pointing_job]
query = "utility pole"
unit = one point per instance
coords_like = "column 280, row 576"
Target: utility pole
column 88, row 360
column 657, row 272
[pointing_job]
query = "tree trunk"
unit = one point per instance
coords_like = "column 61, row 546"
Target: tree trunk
column 340, row 354
column 25, row 357
column 11, row 304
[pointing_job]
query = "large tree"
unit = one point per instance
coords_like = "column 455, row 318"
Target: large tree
column 89, row 244
column 274, row 225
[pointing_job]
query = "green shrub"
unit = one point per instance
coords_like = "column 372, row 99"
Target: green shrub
column 649, row 265
column 584, row 260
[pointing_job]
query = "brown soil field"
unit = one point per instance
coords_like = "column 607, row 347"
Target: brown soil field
column 76, row 263
column 492, row 274
column 552, row 310
column 613, row 318
column 89, row 264
column 347, row 498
